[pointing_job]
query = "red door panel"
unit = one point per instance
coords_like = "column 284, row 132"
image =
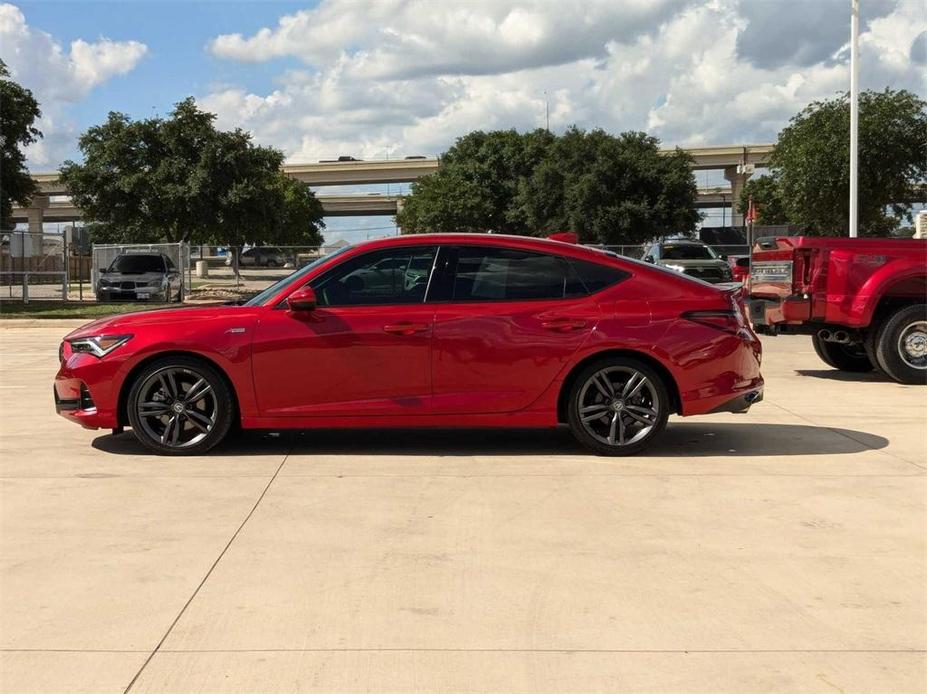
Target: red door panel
column 357, row 360
column 500, row 356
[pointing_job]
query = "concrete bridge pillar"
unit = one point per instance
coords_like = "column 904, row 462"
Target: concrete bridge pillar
column 35, row 213
column 737, row 180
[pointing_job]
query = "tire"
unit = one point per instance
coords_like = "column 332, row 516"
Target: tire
column 852, row 357
column 870, row 338
column 170, row 422
column 902, row 345
column 633, row 412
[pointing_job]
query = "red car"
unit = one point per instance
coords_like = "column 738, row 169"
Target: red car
column 449, row 330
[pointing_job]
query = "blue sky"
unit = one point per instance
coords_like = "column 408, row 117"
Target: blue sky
column 398, row 77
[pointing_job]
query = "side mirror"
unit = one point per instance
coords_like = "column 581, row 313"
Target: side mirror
column 302, row 300
column 723, row 256
column 649, row 259
column 102, row 270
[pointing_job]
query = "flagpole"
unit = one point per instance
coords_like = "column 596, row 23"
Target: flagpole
column 854, row 116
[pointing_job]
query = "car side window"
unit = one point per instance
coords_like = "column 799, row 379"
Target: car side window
column 596, row 277
column 395, row 276
column 169, row 263
column 509, row 274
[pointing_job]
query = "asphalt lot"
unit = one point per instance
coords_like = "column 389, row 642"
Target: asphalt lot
column 784, row 550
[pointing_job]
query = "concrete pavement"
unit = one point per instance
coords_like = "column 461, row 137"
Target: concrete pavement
column 782, row 550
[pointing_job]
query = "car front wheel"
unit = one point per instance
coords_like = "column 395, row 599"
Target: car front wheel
column 618, row 406
column 179, row 406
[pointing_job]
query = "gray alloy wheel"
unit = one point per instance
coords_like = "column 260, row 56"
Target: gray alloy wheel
column 179, row 406
column 617, row 407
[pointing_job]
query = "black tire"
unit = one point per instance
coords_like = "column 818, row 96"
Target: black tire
column 175, row 420
column 902, row 345
column 870, row 338
column 620, row 430
column 851, row 357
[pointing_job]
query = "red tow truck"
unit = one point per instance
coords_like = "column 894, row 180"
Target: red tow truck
column 863, row 301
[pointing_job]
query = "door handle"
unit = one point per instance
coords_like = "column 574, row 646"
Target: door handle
column 563, row 325
column 405, row 328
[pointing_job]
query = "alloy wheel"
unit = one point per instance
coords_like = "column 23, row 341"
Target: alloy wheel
column 619, row 406
column 177, row 407
column 912, row 345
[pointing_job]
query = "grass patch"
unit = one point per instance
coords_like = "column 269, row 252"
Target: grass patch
column 69, row 309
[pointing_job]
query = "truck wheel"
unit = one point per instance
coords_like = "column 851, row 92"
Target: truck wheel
column 902, row 345
column 850, row 357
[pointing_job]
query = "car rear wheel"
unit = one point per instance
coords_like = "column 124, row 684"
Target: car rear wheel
column 845, row 357
column 179, row 406
column 902, row 345
column 618, row 406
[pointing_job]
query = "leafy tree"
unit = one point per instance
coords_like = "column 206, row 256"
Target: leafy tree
column 610, row 189
column 607, row 189
column 181, row 179
column 812, row 163
column 18, row 112
column 476, row 186
column 765, row 193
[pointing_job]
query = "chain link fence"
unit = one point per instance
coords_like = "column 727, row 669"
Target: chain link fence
column 33, row 266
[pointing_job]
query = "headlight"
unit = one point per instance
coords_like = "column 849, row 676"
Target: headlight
column 677, row 268
column 157, row 283
column 105, row 282
column 98, row 345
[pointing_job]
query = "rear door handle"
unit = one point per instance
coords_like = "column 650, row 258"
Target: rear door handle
column 405, row 328
column 563, row 325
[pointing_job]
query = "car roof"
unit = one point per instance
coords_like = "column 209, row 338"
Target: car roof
column 476, row 239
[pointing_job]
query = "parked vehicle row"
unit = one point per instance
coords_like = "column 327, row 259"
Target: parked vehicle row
column 445, row 330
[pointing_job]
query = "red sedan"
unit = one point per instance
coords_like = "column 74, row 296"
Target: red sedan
column 450, row 330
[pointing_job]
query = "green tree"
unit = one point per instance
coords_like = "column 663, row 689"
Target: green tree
column 765, row 193
column 476, row 186
column 181, row 179
column 811, row 161
column 18, row 112
column 610, row 189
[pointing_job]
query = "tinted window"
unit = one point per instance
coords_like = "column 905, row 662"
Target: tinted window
column 506, row 274
column 137, row 264
column 597, row 277
column 170, row 263
column 397, row 276
column 688, row 252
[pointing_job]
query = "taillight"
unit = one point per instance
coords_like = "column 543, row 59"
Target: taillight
column 725, row 321
column 801, row 271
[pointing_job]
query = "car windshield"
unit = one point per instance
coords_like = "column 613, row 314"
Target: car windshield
column 278, row 286
column 137, row 264
column 688, row 251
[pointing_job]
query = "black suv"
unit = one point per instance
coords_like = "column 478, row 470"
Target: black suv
column 692, row 258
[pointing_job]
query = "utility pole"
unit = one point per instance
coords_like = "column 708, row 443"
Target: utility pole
column 547, row 109
column 854, row 116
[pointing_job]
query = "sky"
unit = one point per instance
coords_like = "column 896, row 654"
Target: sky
column 392, row 78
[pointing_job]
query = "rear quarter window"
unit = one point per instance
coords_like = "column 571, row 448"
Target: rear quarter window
column 596, row 277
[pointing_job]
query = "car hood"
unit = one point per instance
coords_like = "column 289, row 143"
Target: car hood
column 130, row 322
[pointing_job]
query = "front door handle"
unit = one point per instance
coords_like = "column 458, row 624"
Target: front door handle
column 563, row 325
column 405, row 328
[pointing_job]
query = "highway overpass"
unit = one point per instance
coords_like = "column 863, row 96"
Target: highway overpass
column 342, row 173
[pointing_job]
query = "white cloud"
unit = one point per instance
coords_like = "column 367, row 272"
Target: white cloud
column 395, row 78
column 57, row 77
